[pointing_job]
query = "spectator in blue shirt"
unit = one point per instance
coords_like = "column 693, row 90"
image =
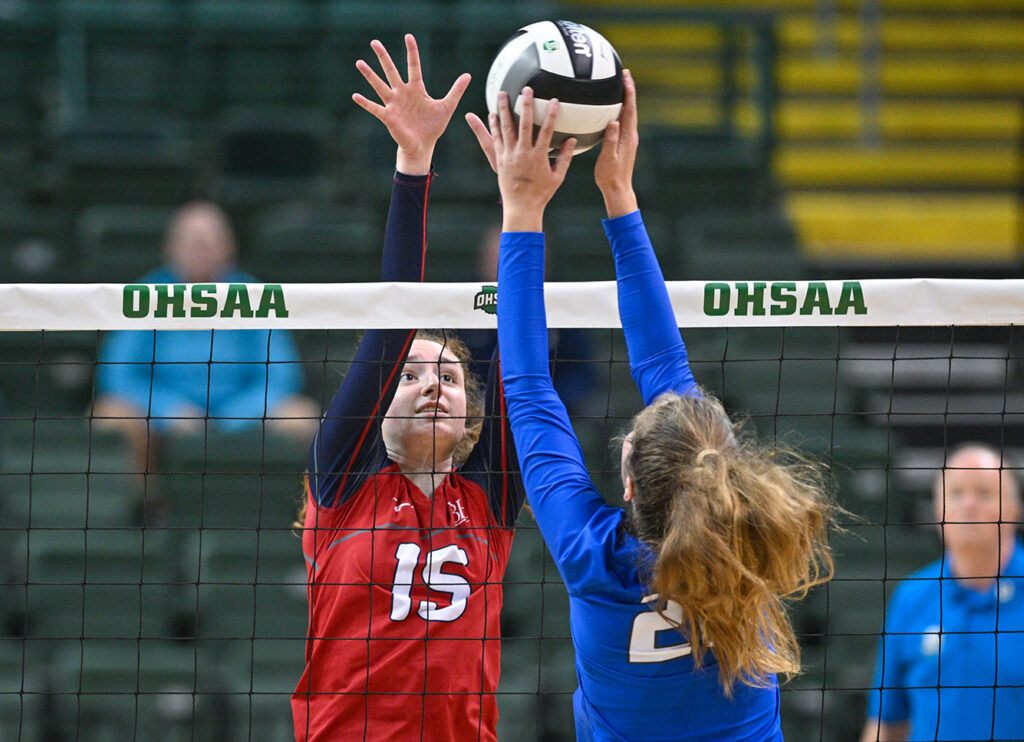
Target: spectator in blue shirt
column 179, row 380
column 951, row 657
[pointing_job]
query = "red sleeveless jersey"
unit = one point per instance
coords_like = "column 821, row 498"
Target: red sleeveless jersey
column 404, row 589
column 388, row 570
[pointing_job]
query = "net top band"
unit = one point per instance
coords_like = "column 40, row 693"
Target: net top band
column 833, row 303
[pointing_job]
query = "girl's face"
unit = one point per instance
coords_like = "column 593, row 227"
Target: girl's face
column 428, row 413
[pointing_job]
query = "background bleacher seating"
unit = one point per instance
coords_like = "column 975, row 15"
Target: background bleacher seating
column 784, row 139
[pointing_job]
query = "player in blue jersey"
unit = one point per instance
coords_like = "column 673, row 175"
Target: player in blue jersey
column 677, row 612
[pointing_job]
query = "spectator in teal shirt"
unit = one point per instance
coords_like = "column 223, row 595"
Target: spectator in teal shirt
column 155, row 382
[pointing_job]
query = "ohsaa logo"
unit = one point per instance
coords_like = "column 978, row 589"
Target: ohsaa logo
column 783, row 298
column 486, row 299
column 178, row 300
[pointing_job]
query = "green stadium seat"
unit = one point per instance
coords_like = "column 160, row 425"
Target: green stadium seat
column 883, row 551
column 27, row 62
column 304, row 242
column 326, row 357
column 122, row 157
column 535, row 693
column 250, row 599
column 58, row 473
column 523, row 589
column 485, row 26
column 752, row 231
column 271, row 556
column 241, row 613
column 121, row 55
column 518, row 711
column 745, row 264
column 20, row 704
column 351, row 24
column 456, row 233
column 266, row 155
column 87, row 585
column 578, row 250
column 107, row 689
column 738, row 245
column 261, row 53
column 685, row 173
column 265, row 673
column 225, row 480
column 120, row 243
column 862, row 472
column 33, row 246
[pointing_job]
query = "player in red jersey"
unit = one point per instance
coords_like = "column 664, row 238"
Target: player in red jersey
column 408, row 522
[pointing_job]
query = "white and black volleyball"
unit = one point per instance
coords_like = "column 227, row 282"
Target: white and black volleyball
column 564, row 60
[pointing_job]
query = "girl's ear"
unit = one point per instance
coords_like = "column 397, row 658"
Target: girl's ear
column 628, row 494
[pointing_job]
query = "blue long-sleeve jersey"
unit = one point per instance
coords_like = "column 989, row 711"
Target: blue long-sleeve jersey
column 637, row 680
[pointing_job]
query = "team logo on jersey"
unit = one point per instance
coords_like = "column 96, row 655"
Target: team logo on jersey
column 458, row 513
column 931, row 641
column 1005, row 592
column 400, row 505
column 486, row 299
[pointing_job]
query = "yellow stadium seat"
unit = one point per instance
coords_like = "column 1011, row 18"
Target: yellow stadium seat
column 871, row 228
column 912, row 165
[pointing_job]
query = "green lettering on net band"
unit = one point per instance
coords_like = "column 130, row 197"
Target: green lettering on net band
column 782, row 298
column 486, row 299
column 169, row 300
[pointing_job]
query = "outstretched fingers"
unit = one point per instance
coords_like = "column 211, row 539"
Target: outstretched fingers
column 628, row 117
column 564, row 158
column 412, row 57
column 526, row 115
column 454, row 95
column 374, row 109
column 379, row 86
column 506, row 131
column 547, row 127
column 394, row 78
column 611, row 137
column 485, row 137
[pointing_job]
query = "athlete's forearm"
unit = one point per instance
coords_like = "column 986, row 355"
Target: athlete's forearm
column 367, row 390
column 657, row 355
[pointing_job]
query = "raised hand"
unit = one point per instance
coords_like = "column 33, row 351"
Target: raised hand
column 414, row 119
column 527, row 178
column 613, row 171
column 483, row 136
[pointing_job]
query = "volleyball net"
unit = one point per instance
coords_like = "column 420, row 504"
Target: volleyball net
column 167, row 599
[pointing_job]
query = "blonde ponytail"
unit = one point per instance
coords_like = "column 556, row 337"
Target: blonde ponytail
column 736, row 532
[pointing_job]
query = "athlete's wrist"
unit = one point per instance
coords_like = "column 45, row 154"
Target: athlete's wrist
column 522, row 219
column 619, row 201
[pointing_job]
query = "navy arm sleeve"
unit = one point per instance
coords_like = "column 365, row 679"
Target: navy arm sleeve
column 348, row 446
column 577, row 525
column 494, row 463
column 657, row 355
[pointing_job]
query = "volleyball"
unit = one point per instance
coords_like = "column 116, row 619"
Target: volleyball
column 567, row 61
